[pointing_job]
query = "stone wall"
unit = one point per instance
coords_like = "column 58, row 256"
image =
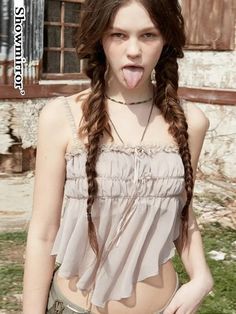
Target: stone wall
column 208, row 69
column 18, row 134
column 214, row 70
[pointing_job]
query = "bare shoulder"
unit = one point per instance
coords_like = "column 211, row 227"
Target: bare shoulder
column 75, row 101
column 54, row 119
column 52, row 126
column 53, row 111
column 198, row 122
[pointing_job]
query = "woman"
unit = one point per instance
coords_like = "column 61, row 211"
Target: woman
column 127, row 174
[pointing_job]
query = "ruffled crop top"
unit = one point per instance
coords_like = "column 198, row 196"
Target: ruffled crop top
column 136, row 214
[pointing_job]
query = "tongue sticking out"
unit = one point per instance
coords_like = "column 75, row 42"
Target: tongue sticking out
column 132, row 75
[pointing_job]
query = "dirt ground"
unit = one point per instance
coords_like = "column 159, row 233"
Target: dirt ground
column 15, row 200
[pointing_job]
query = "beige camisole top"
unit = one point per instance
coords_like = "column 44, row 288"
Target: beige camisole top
column 136, row 214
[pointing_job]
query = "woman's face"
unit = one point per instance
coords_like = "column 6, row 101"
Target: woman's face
column 132, row 45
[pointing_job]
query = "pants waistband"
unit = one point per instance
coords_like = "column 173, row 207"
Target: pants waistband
column 70, row 307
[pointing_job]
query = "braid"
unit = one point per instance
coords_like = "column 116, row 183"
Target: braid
column 96, row 121
column 168, row 101
column 96, row 17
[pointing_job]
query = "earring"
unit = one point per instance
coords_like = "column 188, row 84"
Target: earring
column 153, row 76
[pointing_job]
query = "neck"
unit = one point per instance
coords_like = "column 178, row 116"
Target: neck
column 125, row 95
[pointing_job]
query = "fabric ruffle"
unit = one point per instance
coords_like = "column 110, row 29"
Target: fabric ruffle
column 148, row 148
column 136, row 214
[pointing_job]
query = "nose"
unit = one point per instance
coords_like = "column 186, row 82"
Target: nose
column 133, row 48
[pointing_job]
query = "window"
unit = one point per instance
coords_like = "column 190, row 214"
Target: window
column 209, row 24
column 61, row 19
column 6, row 41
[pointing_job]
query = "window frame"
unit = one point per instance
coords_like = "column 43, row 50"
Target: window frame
column 62, row 24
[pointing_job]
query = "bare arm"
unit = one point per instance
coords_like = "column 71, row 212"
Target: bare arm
column 47, row 203
column 192, row 255
column 191, row 294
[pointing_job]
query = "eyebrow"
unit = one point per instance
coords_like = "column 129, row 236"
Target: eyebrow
column 142, row 30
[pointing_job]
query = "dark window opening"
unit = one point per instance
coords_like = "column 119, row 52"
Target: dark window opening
column 61, row 20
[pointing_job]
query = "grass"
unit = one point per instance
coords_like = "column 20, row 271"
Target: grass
column 214, row 237
column 11, row 270
column 223, row 300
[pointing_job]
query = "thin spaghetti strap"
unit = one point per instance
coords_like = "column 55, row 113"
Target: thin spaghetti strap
column 76, row 142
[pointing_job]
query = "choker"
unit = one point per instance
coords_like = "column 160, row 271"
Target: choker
column 131, row 103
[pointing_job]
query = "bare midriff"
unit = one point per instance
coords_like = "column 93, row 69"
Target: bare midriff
column 148, row 295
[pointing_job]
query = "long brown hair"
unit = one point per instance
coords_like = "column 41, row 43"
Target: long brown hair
column 96, row 16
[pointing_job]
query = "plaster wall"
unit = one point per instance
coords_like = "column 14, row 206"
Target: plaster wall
column 208, row 69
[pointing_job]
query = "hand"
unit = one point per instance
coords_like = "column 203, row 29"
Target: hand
column 187, row 298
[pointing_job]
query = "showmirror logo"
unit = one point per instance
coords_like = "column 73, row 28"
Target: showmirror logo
column 19, row 59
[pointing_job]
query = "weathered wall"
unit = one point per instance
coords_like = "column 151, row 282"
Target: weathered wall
column 219, row 149
column 208, row 69
column 19, row 122
column 214, row 70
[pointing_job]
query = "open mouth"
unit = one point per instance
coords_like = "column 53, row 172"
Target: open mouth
column 133, row 75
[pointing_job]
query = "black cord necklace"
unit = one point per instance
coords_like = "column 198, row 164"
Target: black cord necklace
column 131, row 103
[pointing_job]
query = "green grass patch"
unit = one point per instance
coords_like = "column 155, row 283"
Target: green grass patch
column 223, row 300
column 18, row 237
column 214, row 237
column 11, row 270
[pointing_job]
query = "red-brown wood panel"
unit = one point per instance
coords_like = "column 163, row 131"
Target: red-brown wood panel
column 209, row 24
column 202, row 95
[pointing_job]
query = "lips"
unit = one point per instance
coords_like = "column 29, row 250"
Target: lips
column 133, row 65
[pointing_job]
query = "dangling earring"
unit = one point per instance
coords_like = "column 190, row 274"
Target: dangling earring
column 153, row 76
